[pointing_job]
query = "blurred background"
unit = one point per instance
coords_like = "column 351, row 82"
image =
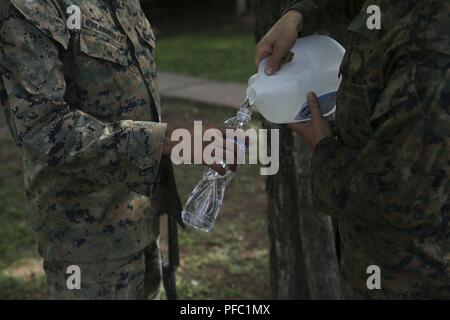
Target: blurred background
column 212, row 39
column 204, row 39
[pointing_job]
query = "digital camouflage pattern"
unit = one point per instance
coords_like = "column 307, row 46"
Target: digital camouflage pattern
column 83, row 105
column 386, row 176
column 136, row 277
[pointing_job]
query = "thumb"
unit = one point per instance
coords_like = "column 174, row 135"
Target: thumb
column 314, row 106
column 261, row 54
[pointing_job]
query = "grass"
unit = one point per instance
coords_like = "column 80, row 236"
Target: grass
column 226, row 57
column 230, row 263
column 21, row 275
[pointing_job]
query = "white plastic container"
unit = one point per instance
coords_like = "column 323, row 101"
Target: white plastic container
column 281, row 98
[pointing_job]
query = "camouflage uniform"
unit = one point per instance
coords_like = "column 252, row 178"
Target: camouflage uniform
column 84, row 107
column 386, row 174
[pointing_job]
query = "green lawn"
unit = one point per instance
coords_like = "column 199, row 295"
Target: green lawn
column 21, row 275
column 227, row 57
column 230, row 263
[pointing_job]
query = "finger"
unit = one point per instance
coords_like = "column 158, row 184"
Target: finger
column 314, row 106
column 298, row 127
column 230, row 158
column 227, row 156
column 218, row 168
column 233, row 167
column 219, row 161
column 288, row 58
column 262, row 52
column 274, row 63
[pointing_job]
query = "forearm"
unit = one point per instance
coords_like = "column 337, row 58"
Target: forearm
column 54, row 135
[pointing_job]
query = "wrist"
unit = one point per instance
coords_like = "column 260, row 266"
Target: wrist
column 294, row 16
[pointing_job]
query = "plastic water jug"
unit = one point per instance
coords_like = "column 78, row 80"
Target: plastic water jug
column 281, row 98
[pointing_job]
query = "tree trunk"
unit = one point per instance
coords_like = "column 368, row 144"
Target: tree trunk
column 303, row 252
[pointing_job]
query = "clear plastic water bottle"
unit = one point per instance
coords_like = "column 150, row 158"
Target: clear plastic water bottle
column 203, row 205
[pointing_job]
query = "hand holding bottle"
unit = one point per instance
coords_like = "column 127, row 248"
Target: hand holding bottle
column 203, row 204
column 279, row 41
column 314, row 131
column 224, row 149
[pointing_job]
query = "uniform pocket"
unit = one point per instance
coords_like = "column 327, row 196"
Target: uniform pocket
column 102, row 43
column 30, row 44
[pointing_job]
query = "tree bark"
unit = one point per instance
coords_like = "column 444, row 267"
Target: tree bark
column 303, row 252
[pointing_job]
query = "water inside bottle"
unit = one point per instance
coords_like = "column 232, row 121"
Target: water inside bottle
column 204, row 203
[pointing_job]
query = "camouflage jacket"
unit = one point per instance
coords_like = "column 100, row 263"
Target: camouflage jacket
column 83, row 105
column 386, row 176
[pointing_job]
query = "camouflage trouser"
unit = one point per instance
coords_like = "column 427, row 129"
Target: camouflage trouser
column 136, row 277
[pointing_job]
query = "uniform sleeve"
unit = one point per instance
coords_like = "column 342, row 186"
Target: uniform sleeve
column 52, row 133
column 402, row 176
column 326, row 14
